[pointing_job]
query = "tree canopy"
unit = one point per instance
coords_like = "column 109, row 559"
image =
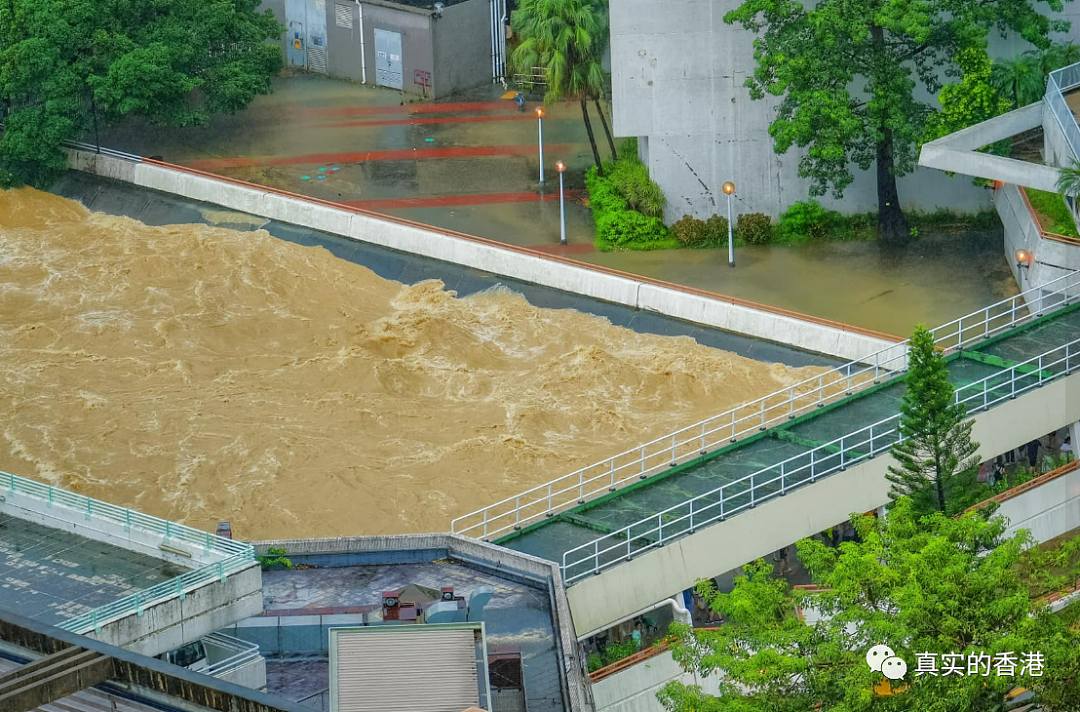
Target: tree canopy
column 930, row 586
column 67, row 64
column 567, row 39
column 937, row 457
column 847, row 74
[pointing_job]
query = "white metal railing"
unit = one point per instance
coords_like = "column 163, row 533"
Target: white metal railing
column 230, row 555
column 242, row 651
column 754, row 417
column 1060, row 81
column 749, row 491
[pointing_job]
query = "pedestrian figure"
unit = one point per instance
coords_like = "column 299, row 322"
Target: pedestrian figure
column 782, row 557
column 997, row 473
column 1033, row 452
column 520, row 101
column 1067, row 448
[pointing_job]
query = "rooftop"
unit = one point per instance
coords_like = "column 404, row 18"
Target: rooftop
column 51, row 575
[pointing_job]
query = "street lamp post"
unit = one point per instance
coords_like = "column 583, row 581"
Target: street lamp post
column 561, row 167
column 729, row 188
column 540, row 126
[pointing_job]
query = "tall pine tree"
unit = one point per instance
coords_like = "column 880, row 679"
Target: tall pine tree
column 937, row 451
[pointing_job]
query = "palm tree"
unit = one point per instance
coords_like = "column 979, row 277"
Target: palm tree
column 566, row 38
column 1020, row 79
column 1068, row 183
column 1057, row 55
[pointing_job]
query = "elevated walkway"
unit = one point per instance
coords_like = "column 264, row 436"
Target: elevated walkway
column 845, row 421
column 118, row 575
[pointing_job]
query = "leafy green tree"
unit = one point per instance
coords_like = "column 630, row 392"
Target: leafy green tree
column 920, row 585
column 567, row 39
column 846, row 73
column 1020, row 80
column 66, row 65
column 937, row 457
column 972, row 100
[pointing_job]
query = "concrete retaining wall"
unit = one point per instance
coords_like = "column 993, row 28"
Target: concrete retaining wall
column 1053, row 259
column 625, row 589
column 634, row 689
column 292, row 635
column 504, row 562
column 476, row 253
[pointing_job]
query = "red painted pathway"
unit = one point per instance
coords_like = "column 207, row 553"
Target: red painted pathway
column 405, row 154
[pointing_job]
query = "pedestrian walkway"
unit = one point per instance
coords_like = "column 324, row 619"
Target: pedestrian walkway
column 714, row 470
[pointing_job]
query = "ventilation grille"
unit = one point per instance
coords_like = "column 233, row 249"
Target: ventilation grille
column 317, row 59
column 343, row 16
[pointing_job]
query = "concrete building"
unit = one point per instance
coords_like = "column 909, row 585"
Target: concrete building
column 418, row 47
column 677, row 84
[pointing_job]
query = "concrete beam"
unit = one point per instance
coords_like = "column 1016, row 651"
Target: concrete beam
column 958, row 152
column 53, row 678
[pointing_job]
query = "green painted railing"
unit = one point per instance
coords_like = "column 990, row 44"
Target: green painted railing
column 231, row 556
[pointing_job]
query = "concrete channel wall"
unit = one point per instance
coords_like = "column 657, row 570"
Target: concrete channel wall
column 623, row 590
column 726, row 313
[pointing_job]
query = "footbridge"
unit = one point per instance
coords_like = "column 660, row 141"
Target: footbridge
column 646, row 524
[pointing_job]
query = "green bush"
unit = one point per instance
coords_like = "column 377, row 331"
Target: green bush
column 274, row 558
column 628, row 149
column 716, row 229
column 806, row 220
column 690, row 231
column 617, row 225
column 595, row 662
column 630, row 179
column 754, row 228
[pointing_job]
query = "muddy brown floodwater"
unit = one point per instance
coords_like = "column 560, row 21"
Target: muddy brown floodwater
column 202, row 374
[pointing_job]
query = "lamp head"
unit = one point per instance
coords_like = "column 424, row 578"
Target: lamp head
column 1023, row 258
column 729, row 188
column 540, row 112
column 560, row 166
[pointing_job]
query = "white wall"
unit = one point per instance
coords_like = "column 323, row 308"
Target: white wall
column 559, row 273
column 634, row 689
column 1047, row 511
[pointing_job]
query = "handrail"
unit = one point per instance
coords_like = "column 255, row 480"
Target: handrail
column 1059, row 81
column 630, row 660
column 793, row 472
column 246, row 653
column 221, row 556
column 708, row 435
column 1025, row 486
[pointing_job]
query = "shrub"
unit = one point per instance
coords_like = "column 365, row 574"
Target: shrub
column 1053, row 212
column 754, row 228
column 274, row 558
column 628, row 149
column 630, row 179
column 691, row 232
column 716, row 228
column 617, row 226
column 806, row 220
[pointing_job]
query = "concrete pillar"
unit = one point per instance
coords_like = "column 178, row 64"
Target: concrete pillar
column 1074, row 436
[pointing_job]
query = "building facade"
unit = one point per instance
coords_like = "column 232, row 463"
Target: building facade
column 417, row 47
column 677, row 84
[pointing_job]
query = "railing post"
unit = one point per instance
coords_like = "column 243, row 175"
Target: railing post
column 549, row 500
column 821, row 390
column 1040, row 369
column 722, row 502
column 629, row 547
column 642, row 463
column 691, row 516
column 221, row 570
column 1012, row 382
column 842, row 451
column 762, row 425
column 848, row 392
column 127, row 520
column 986, row 324
column 960, row 333
column 813, row 465
column 517, row 512
column 783, row 475
column 877, row 366
column 581, row 486
column 791, row 404
column 733, row 424
column 673, row 458
column 485, row 524
column 611, row 487
column 596, row 556
column 702, row 451
column 50, row 497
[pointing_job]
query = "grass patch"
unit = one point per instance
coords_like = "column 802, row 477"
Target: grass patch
column 1053, row 213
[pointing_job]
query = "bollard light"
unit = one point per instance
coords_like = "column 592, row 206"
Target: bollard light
column 540, row 129
column 1024, row 258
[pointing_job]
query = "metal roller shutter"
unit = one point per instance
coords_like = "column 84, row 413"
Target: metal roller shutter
column 406, row 671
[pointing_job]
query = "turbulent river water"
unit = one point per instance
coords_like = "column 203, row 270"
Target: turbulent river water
column 204, row 374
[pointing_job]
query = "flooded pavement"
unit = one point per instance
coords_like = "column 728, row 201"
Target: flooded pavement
column 933, row 280
column 472, row 165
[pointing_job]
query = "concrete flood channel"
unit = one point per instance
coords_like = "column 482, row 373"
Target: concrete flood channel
column 214, row 489
column 471, row 164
